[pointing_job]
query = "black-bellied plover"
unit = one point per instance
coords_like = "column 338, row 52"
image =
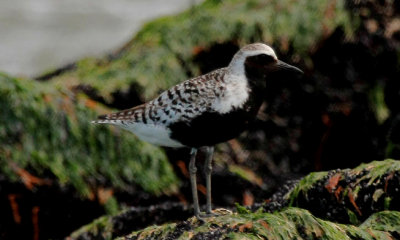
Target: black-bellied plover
column 205, row 110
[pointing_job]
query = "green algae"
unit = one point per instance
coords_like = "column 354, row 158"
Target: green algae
column 352, row 217
column 376, row 170
column 304, row 185
column 100, row 228
column 377, row 99
column 299, row 223
column 383, row 221
column 374, row 174
column 386, row 203
column 48, row 132
column 291, row 223
column 348, row 195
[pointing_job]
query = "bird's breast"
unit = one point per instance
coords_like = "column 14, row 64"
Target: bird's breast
column 234, row 96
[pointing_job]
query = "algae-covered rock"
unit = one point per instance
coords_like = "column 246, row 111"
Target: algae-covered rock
column 47, row 133
column 161, row 54
column 291, row 223
column 349, row 195
column 383, row 221
column 359, row 199
column 134, row 218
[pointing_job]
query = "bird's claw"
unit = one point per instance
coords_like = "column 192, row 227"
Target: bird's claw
column 210, row 214
column 202, row 215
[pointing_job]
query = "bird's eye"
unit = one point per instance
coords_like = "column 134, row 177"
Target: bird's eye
column 264, row 58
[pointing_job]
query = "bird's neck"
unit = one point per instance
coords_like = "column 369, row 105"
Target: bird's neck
column 241, row 94
column 236, row 68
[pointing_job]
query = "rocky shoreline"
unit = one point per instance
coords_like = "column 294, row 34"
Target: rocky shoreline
column 361, row 203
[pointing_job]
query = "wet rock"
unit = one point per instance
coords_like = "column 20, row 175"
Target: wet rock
column 349, row 195
column 287, row 224
column 56, row 165
column 364, row 201
column 135, row 218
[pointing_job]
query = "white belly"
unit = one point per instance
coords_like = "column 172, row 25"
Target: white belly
column 154, row 134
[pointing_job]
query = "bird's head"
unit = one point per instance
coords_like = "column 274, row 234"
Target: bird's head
column 258, row 61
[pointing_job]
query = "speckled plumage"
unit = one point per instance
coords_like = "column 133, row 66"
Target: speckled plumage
column 220, row 91
column 182, row 102
column 205, row 110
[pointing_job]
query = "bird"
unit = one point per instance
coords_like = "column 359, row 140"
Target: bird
column 203, row 111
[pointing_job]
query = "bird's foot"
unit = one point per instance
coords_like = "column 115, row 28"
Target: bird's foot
column 202, row 215
column 208, row 214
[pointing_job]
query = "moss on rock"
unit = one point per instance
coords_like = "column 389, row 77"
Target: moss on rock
column 47, row 133
column 291, row 223
column 363, row 189
column 134, row 218
column 100, row 228
column 350, row 195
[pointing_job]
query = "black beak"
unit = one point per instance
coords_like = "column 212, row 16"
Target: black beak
column 282, row 66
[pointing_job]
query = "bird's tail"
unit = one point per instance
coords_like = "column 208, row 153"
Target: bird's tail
column 129, row 115
column 106, row 119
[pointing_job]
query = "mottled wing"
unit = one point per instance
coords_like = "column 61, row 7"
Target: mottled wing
column 182, row 102
column 189, row 99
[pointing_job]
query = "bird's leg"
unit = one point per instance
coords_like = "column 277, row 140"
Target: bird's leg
column 193, row 170
column 208, row 170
